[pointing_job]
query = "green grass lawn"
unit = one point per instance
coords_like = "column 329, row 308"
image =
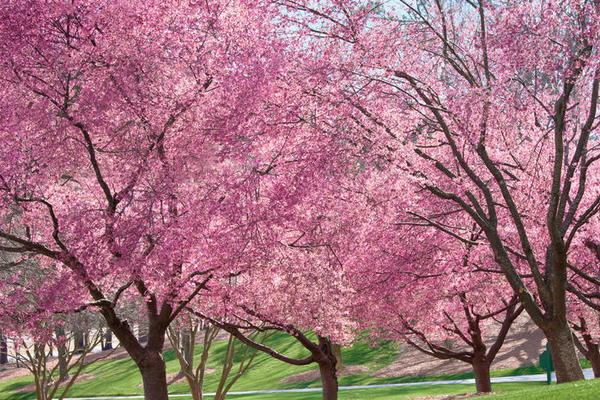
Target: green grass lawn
column 588, row 390
column 585, row 390
column 395, row 393
column 121, row 376
column 582, row 390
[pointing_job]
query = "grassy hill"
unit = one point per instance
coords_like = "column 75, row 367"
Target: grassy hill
column 121, row 377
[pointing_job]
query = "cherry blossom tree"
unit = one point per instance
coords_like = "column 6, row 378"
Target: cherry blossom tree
column 133, row 134
column 415, row 285
column 488, row 109
column 152, row 150
column 432, row 297
column 304, row 288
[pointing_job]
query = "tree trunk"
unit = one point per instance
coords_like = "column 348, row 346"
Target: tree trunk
column 594, row 359
column 481, row 369
column 148, row 359
column 329, row 380
column 79, row 342
column 337, row 351
column 152, row 367
column 563, row 353
column 3, row 350
column 63, row 368
column 593, row 355
column 107, row 345
column 195, row 391
column 188, row 346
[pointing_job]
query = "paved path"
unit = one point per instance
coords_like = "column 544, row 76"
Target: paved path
column 589, row 374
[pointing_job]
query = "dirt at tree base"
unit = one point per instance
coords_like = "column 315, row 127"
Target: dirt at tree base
column 10, row 371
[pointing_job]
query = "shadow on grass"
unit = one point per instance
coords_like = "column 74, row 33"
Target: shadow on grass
column 18, row 396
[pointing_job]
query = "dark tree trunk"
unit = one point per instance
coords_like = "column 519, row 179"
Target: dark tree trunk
column 327, row 360
column 591, row 352
column 107, row 345
column 154, row 378
column 563, row 353
column 3, row 350
column 481, row 369
column 63, row 368
column 594, row 358
column 149, row 358
column 79, row 342
column 329, row 380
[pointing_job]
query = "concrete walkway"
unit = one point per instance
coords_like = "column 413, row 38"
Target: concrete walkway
column 589, row 374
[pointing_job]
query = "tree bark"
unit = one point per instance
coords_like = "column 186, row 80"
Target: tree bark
column 563, row 352
column 327, row 367
column 148, row 359
column 329, row 380
column 481, row 370
column 552, row 318
column 79, row 342
column 591, row 351
column 63, row 368
column 195, row 390
column 3, row 349
column 594, row 359
column 154, row 377
column 107, row 345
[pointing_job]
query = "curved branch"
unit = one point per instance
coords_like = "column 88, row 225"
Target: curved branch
column 258, row 346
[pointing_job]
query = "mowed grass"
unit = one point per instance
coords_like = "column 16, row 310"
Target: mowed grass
column 121, row 376
column 581, row 390
column 584, row 390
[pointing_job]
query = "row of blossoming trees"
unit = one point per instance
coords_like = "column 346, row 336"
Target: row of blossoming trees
column 412, row 169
